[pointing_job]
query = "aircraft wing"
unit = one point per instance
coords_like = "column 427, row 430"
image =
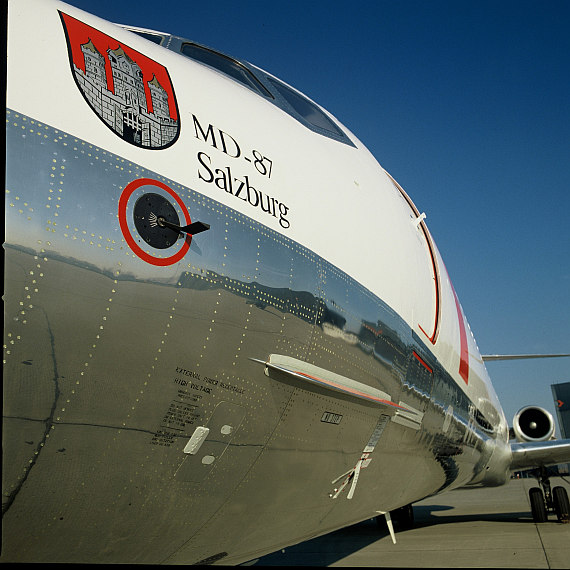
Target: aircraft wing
column 527, row 455
column 492, row 357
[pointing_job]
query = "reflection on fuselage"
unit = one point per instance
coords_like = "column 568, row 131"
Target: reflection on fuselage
column 113, row 358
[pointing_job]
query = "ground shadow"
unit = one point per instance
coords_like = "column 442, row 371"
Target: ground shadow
column 332, row 547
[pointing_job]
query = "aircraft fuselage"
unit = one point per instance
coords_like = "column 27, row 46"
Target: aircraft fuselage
column 300, row 366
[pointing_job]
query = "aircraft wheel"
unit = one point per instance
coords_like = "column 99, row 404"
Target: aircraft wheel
column 537, row 505
column 561, row 504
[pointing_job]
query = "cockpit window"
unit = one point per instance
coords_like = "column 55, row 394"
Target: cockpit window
column 287, row 99
column 152, row 37
column 226, row 65
column 307, row 109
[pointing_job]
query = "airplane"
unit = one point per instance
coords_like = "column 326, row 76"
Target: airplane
column 227, row 328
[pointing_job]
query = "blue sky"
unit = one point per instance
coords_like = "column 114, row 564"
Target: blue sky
column 467, row 105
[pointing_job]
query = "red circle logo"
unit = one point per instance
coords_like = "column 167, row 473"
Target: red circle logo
column 123, row 202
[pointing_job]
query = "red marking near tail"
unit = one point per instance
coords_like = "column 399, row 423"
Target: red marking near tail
column 464, row 355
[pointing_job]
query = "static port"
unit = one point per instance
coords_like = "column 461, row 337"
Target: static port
column 150, row 209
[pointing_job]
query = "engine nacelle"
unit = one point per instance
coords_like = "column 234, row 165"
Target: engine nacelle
column 533, row 423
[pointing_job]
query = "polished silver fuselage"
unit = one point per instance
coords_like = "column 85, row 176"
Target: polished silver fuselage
column 112, row 363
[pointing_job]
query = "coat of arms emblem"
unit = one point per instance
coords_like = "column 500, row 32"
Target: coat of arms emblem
column 130, row 92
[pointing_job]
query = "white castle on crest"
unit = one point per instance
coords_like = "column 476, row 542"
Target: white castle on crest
column 126, row 110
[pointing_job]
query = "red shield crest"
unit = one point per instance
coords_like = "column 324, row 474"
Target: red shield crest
column 131, row 93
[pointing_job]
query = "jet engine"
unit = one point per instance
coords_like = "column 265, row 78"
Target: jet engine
column 533, row 423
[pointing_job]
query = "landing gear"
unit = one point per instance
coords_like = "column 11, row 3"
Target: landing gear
column 561, row 504
column 555, row 500
column 537, row 505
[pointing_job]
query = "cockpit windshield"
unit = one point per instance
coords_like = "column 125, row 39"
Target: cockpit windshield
column 224, row 64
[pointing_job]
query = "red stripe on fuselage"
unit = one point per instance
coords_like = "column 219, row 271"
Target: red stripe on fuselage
column 464, row 353
column 422, row 362
column 348, row 390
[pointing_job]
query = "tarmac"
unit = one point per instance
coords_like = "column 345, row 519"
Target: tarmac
column 464, row 528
